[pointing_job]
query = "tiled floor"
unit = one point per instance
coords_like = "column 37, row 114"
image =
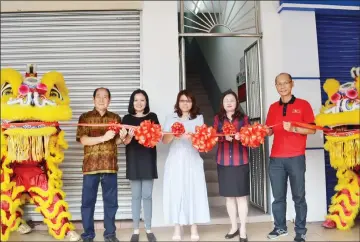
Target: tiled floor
column 256, row 232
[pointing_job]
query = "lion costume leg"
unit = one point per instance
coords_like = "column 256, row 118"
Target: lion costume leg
column 51, row 203
column 11, row 213
column 345, row 203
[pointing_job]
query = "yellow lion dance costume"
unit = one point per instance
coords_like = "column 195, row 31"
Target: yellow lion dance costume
column 342, row 113
column 31, row 153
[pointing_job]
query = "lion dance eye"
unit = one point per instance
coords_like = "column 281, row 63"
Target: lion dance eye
column 6, row 90
column 54, row 92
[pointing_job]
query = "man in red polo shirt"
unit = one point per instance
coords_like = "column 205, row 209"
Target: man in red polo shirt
column 287, row 159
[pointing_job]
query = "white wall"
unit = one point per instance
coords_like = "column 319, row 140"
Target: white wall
column 290, row 45
column 160, row 72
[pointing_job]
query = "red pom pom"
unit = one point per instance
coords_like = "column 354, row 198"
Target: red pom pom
column 148, row 133
column 229, row 129
column 24, row 89
column 178, row 129
column 114, row 126
column 204, row 138
column 253, row 135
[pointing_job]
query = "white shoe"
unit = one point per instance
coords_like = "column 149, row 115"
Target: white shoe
column 24, row 229
column 72, row 236
column 195, row 237
column 176, row 238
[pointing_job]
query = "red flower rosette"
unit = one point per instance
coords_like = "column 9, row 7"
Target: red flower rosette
column 204, row 138
column 148, row 133
column 228, row 129
column 177, row 129
column 114, row 126
column 252, row 135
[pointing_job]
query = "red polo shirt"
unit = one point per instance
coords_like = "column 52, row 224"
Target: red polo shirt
column 289, row 144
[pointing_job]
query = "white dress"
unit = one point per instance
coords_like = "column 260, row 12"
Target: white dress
column 185, row 197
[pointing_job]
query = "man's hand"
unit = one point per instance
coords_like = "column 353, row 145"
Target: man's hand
column 123, row 133
column 237, row 136
column 287, row 126
column 108, row 135
column 228, row 138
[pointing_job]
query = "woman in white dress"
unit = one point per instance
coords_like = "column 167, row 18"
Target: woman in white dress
column 185, row 193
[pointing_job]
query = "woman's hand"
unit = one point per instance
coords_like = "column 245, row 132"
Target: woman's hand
column 131, row 132
column 228, row 138
column 188, row 136
column 237, row 136
column 123, row 133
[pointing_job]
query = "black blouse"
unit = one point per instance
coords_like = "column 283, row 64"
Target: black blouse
column 140, row 160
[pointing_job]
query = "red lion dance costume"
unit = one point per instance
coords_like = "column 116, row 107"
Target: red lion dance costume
column 342, row 113
column 31, row 154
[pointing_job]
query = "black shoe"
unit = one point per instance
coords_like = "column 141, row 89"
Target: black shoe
column 230, row 236
column 300, row 237
column 111, row 239
column 134, row 238
column 277, row 233
column 151, row 237
column 88, row 240
column 243, row 239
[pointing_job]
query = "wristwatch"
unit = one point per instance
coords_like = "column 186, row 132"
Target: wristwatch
column 295, row 130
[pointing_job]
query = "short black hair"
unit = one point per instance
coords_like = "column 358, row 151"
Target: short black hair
column 99, row 88
column 283, row 73
column 131, row 108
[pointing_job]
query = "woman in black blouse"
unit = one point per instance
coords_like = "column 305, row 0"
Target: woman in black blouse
column 141, row 166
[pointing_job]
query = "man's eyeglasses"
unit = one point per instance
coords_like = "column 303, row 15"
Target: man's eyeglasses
column 283, row 84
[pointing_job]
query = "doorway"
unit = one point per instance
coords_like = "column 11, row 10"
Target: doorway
column 214, row 61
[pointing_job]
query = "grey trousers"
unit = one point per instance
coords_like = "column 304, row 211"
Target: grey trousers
column 280, row 170
column 141, row 190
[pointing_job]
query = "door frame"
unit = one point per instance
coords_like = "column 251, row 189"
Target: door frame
column 258, row 35
column 257, row 43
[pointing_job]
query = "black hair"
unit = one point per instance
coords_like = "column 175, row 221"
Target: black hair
column 131, row 108
column 99, row 88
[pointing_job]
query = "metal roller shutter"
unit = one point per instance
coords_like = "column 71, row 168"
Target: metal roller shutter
column 339, row 51
column 91, row 49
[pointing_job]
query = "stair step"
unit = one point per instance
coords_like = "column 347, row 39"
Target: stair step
column 213, row 189
column 216, row 201
column 212, row 194
column 211, row 176
column 210, row 163
column 210, row 166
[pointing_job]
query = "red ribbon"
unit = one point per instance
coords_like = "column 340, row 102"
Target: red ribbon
column 327, row 131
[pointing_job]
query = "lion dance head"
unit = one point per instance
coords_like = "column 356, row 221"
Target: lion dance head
column 30, row 98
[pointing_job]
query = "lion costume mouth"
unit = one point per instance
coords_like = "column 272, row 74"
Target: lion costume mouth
column 28, row 144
